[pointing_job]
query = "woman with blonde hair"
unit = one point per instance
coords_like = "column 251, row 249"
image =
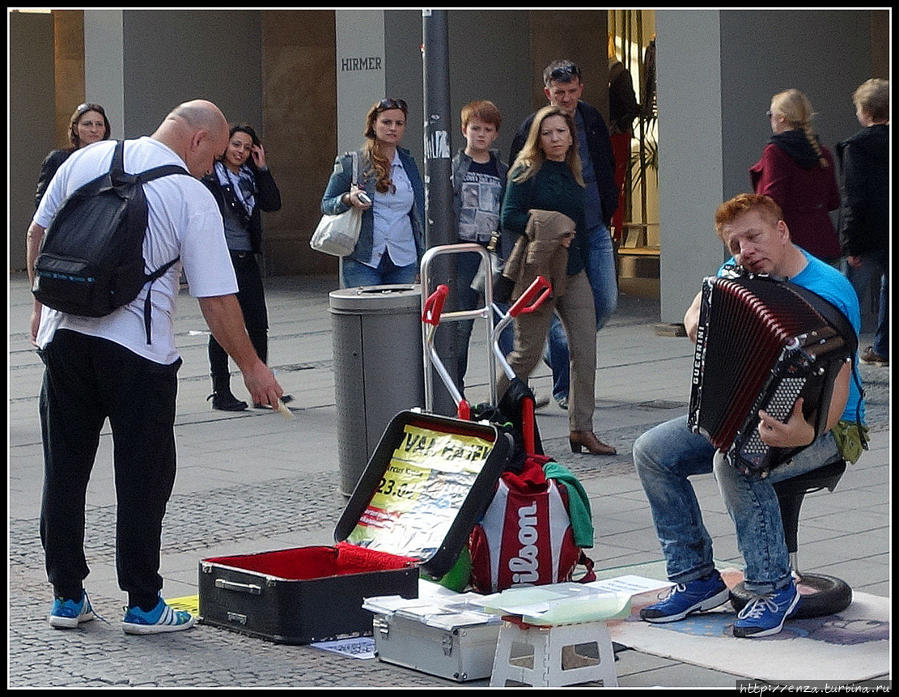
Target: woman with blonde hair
column 798, row 173
column 544, row 181
column 390, row 194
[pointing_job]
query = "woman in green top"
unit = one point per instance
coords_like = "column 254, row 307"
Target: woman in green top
column 546, row 175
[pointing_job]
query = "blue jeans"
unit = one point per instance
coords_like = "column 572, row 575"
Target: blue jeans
column 604, row 283
column 875, row 266
column 357, row 274
column 666, row 455
column 467, row 265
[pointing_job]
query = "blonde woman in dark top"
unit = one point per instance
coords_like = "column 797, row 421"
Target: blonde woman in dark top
column 546, row 176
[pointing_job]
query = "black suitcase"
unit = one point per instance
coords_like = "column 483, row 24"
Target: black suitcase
column 424, row 488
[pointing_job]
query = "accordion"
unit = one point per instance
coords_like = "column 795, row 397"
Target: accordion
column 761, row 344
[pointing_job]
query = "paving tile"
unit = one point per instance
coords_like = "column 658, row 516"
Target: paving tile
column 254, row 482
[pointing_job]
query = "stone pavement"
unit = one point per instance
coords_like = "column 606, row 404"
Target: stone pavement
column 254, row 481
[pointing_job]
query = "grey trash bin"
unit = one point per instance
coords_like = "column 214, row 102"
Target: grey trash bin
column 376, row 335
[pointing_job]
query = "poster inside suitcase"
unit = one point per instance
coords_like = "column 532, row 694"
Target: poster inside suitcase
column 429, row 481
column 424, row 488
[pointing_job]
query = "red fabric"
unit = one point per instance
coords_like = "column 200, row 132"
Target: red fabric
column 531, row 478
column 621, row 150
column 804, row 195
column 306, row 563
column 523, row 537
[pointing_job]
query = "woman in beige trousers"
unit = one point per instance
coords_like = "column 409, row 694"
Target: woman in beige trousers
column 544, row 181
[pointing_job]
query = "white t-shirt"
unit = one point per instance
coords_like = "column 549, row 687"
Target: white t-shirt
column 184, row 220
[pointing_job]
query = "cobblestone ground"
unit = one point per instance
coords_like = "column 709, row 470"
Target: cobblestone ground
column 99, row 654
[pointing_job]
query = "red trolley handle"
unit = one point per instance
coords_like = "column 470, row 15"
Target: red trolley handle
column 532, row 298
column 433, row 307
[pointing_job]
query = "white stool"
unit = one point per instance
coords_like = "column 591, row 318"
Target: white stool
column 554, row 663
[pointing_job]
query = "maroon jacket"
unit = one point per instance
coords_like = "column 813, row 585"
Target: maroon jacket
column 789, row 172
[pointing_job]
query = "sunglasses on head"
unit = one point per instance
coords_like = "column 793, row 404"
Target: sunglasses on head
column 391, row 103
column 82, row 109
column 565, row 73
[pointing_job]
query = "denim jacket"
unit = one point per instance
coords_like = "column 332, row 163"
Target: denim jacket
column 339, row 184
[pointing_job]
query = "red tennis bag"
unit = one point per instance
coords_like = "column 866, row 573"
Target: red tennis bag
column 525, row 536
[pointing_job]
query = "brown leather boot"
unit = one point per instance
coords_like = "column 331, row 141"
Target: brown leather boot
column 587, row 439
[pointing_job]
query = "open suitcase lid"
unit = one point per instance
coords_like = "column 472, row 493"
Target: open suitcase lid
column 425, row 487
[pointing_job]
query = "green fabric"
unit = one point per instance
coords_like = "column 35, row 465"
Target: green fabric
column 578, row 503
column 851, row 438
column 456, row 579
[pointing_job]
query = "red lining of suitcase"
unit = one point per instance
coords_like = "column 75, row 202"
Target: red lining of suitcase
column 307, row 563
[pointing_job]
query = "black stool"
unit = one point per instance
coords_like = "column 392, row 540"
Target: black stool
column 821, row 594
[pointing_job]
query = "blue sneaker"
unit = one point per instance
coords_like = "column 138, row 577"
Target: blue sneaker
column 765, row 614
column 67, row 614
column 684, row 598
column 161, row 618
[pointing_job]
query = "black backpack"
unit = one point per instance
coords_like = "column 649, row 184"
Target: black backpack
column 91, row 259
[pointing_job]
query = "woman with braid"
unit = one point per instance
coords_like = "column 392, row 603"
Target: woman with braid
column 391, row 195
column 798, row 173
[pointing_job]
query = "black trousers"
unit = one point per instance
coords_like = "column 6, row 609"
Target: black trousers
column 251, row 296
column 86, row 381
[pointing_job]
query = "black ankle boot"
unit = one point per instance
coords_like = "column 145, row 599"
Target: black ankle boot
column 225, row 401
column 221, row 396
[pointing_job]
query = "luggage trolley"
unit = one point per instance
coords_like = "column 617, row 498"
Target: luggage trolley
column 432, row 315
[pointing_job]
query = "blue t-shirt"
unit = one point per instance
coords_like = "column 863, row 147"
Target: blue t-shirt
column 830, row 284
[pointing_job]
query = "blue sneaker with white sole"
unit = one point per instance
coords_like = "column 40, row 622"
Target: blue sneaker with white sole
column 161, row 618
column 683, row 599
column 68, row 614
column 765, row 614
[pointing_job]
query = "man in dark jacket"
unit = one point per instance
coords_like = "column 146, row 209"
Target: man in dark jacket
column 563, row 88
column 864, row 211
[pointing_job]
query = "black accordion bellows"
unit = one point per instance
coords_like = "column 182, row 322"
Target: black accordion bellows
column 760, row 345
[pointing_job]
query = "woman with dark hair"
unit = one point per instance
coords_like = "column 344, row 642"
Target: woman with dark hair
column 87, row 125
column 243, row 186
column 390, row 193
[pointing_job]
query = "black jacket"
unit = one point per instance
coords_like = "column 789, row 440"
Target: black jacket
column 600, row 153
column 268, row 198
column 623, row 107
column 865, row 190
column 49, row 166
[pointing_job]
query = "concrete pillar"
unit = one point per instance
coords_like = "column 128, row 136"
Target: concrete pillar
column 361, row 71
column 690, row 154
column 104, row 66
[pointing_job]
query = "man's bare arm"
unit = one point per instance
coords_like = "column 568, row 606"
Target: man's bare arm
column 799, row 431
column 691, row 317
column 32, row 247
